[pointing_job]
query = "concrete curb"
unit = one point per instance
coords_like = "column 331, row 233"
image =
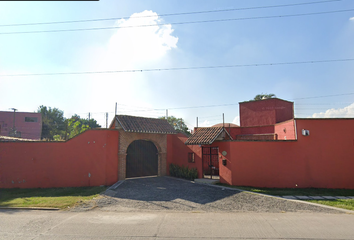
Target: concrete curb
column 266, row 195
column 110, row 192
column 29, row 208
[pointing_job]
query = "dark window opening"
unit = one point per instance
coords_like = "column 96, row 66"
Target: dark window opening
column 31, row 119
column 191, row 157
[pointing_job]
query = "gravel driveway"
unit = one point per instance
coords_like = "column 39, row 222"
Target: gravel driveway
column 170, row 194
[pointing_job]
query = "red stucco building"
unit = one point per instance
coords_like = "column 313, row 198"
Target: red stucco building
column 21, row 125
column 271, row 148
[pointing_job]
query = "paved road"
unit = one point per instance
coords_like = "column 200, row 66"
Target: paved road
column 170, row 194
column 38, row 225
column 167, row 208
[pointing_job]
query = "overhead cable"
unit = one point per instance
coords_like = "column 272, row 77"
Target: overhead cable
column 180, row 68
column 166, row 14
column 177, row 23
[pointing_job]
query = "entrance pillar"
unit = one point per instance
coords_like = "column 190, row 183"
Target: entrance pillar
column 122, row 159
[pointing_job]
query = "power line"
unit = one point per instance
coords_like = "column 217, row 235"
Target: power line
column 167, row 14
column 231, row 104
column 180, row 68
column 334, row 95
column 179, row 23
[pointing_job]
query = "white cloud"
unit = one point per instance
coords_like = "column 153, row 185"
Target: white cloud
column 129, row 48
column 345, row 112
column 236, row 120
column 137, row 45
column 352, row 18
column 206, row 123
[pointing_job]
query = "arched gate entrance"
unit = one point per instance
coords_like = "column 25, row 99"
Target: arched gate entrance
column 142, row 159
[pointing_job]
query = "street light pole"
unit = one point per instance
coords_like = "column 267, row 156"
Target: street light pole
column 13, row 126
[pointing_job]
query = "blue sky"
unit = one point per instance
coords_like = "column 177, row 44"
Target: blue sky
column 148, row 93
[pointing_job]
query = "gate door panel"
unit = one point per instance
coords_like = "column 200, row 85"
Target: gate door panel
column 142, row 159
column 210, row 160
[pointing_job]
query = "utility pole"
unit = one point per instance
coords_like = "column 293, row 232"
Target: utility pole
column 197, row 122
column 13, row 126
column 223, row 121
column 107, row 120
column 115, row 112
column 166, row 114
column 89, row 116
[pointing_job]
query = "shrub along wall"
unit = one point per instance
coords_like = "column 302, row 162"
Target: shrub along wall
column 183, row 172
column 89, row 159
column 177, row 153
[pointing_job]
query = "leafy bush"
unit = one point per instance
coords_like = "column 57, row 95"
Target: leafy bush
column 183, row 172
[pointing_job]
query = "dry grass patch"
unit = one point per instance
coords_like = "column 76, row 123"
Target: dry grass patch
column 51, row 197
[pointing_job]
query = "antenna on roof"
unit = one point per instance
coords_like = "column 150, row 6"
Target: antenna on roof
column 223, row 122
column 115, row 112
column 197, row 122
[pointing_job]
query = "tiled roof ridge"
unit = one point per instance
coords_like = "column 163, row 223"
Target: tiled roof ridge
column 206, row 135
column 144, row 125
column 138, row 116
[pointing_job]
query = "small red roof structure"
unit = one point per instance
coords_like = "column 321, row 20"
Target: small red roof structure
column 207, row 135
column 225, row 125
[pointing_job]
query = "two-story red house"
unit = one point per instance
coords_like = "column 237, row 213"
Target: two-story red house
column 21, row 124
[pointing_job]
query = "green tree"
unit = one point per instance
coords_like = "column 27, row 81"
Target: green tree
column 178, row 124
column 263, row 96
column 53, row 122
column 55, row 126
column 77, row 125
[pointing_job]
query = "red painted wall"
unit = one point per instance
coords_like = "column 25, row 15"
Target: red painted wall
column 265, row 112
column 225, row 172
column 89, row 159
column 177, row 153
column 234, row 131
column 29, row 130
column 285, row 130
column 324, row 159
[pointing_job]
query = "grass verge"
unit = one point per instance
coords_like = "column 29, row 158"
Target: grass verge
column 340, row 203
column 48, row 197
column 297, row 191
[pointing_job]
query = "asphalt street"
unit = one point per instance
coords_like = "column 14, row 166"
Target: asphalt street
column 98, row 224
column 168, row 208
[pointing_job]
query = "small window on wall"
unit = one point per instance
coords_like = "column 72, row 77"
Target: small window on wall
column 31, row 119
column 191, row 157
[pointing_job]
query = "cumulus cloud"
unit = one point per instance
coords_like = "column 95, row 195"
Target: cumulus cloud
column 129, row 48
column 236, row 120
column 206, row 123
column 135, row 45
column 345, row 112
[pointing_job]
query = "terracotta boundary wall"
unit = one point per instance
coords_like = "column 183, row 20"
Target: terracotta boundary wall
column 89, row 159
column 324, row 159
column 177, row 153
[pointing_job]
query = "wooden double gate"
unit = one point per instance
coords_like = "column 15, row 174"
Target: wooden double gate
column 142, row 159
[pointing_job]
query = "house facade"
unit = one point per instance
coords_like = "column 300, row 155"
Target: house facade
column 279, row 151
column 271, row 148
column 21, row 125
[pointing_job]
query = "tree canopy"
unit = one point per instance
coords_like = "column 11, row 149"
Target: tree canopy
column 178, row 124
column 263, row 96
column 56, row 127
column 53, row 122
